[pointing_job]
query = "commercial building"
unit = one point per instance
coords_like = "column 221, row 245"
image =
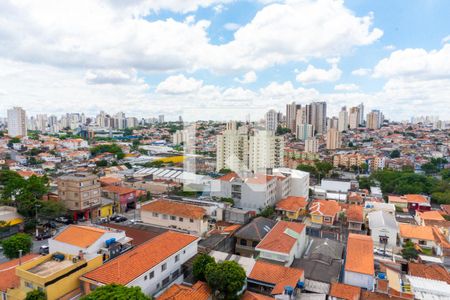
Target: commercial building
column 80, row 193
column 17, row 122
column 167, row 213
column 152, row 266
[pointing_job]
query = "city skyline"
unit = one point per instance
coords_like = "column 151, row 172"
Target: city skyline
column 231, row 51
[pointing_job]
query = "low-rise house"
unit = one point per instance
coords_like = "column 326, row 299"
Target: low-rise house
column 284, row 242
column 152, row 266
column 249, row 236
column 429, row 271
column 56, row 274
column 355, row 198
column 383, row 228
column 272, row 279
column 123, row 197
column 341, row 291
column 322, row 264
column 425, row 289
column 410, row 202
column 324, row 212
column 292, row 207
column 108, row 180
column 432, row 215
column 198, row 291
column 8, row 277
column 371, row 206
column 10, row 221
column 355, row 218
column 420, row 235
column 359, row 263
column 168, row 213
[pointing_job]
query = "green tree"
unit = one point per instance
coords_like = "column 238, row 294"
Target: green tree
column 199, row 266
column 441, row 197
column 226, row 279
column 225, row 171
column 116, row 292
column 307, row 168
column 13, row 244
column 102, row 163
column 445, row 173
column 409, row 252
column 267, row 212
column 282, row 130
column 395, row 154
column 323, row 167
column 51, row 209
column 429, row 168
column 36, row 295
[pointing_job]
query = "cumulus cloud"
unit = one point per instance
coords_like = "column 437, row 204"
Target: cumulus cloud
column 415, row 63
column 346, row 87
column 248, row 77
column 178, row 84
column 111, row 76
column 389, row 47
column 361, row 72
column 316, row 75
column 231, row 26
column 446, row 39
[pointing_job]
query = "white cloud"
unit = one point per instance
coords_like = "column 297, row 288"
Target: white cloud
column 248, row 77
column 178, row 84
column 389, row 47
column 415, row 63
column 118, row 35
column 316, row 75
column 446, row 39
column 111, row 76
column 361, row 72
column 348, row 87
column 231, row 26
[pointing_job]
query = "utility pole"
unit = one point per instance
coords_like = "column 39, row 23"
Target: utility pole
column 37, row 220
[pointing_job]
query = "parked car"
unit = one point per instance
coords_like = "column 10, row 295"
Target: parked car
column 44, row 249
column 120, row 219
column 50, row 225
column 44, row 235
column 63, row 220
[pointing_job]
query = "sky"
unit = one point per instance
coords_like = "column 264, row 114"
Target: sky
column 213, row 59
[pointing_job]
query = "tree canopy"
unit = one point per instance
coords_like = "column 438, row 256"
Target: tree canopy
column 36, row 295
column 111, row 148
column 13, row 244
column 116, row 292
column 226, row 279
column 199, row 266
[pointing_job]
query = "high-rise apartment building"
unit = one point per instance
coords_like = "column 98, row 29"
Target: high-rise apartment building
column 361, row 114
column 238, row 150
column 332, row 123
column 161, row 119
column 343, row 120
column 291, row 115
column 319, row 116
column 80, row 193
column 271, row 120
column 311, row 145
column 17, row 122
column 353, row 118
column 374, row 119
column 333, row 139
column 304, row 131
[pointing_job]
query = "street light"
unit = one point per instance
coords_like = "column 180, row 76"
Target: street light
column 37, row 220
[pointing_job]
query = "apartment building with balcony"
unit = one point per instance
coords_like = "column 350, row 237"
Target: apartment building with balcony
column 80, row 193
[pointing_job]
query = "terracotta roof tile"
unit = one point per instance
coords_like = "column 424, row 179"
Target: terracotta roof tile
column 355, row 213
column 175, row 208
column 81, row 236
column 292, row 204
column 8, row 277
column 254, row 296
column 367, row 295
column 130, row 265
column 121, row 190
column 416, row 232
column 344, row 291
column 431, row 215
column 278, row 240
column 433, row 271
column 199, row 291
column 359, row 257
column 325, row 208
column 280, row 276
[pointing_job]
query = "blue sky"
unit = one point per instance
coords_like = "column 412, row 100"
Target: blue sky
column 151, row 57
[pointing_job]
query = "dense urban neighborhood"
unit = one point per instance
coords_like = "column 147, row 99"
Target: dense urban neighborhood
column 294, row 206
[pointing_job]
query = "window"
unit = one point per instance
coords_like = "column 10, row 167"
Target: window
column 40, row 289
column 173, row 218
column 157, row 286
column 151, row 274
column 155, row 214
column 175, row 274
column 164, row 217
column 28, row 284
column 164, row 267
column 145, row 277
column 166, row 281
column 422, row 242
column 184, row 251
column 177, row 257
column 243, row 242
column 191, row 220
column 180, row 219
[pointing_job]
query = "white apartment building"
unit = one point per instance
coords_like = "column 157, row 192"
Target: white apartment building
column 265, row 151
column 17, row 122
column 152, row 266
column 312, row 145
column 343, row 120
column 304, row 131
column 239, row 151
column 271, row 120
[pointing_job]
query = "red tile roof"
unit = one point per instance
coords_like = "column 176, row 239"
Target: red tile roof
column 121, row 190
column 81, row 236
column 280, row 276
column 433, row 271
column 175, row 208
column 130, row 265
column 416, row 232
column 278, row 240
column 292, row 204
column 325, row 208
column 359, row 257
column 254, row 296
column 344, row 291
column 199, row 291
column 355, row 213
column 8, row 277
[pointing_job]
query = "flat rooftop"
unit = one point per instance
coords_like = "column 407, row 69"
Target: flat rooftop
column 50, row 267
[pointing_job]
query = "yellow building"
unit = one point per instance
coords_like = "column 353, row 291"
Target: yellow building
column 56, row 274
column 106, row 208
